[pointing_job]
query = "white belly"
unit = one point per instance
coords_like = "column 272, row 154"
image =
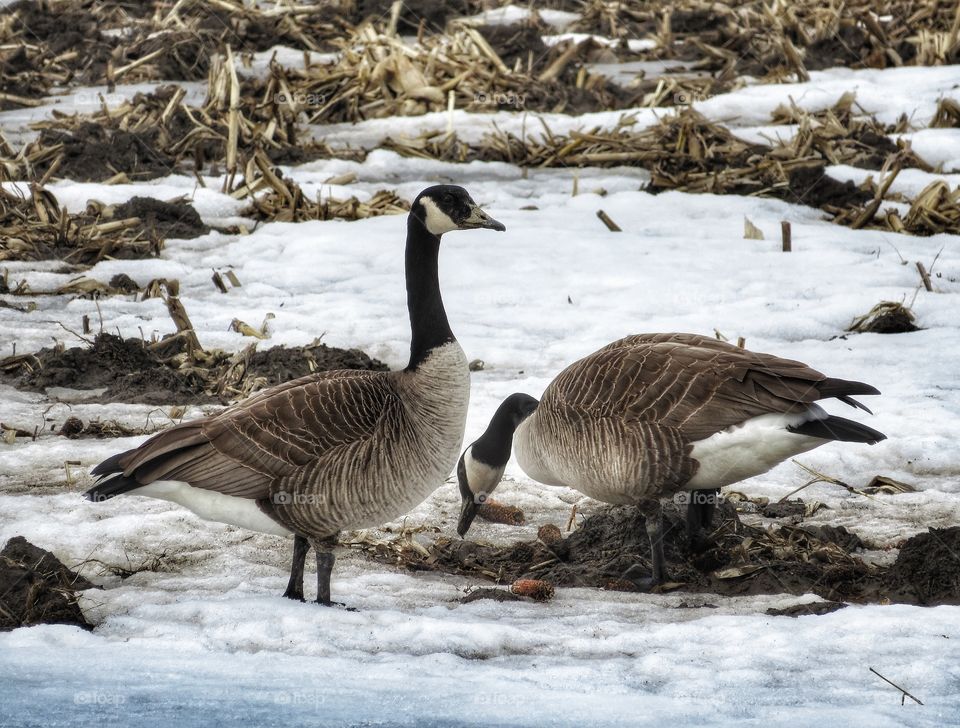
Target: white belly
column 213, row 506
column 751, row 448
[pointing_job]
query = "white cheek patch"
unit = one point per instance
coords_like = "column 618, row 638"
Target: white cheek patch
column 437, row 221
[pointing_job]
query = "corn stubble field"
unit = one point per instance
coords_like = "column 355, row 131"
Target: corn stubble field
column 194, row 194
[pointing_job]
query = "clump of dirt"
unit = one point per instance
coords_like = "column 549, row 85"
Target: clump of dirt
column 611, row 550
column 813, row 186
column 175, row 219
column 802, row 610
column 73, row 428
column 927, row 569
column 887, row 317
column 161, row 373
column 92, row 153
column 36, row 588
column 849, row 48
column 433, row 14
column 281, row 364
column 128, row 369
column 519, row 41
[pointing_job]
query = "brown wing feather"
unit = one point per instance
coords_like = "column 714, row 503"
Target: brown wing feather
column 243, row 449
column 693, row 383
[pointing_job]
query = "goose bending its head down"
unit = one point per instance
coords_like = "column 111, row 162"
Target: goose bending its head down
column 481, row 465
column 651, row 415
column 334, row 450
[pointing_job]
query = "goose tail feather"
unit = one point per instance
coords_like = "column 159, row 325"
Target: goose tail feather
column 838, row 428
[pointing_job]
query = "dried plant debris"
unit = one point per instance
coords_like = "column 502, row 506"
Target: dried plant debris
column 36, row 588
column 844, row 134
column 610, row 549
column 783, row 40
column 377, row 75
column 37, row 228
column 887, row 317
column 285, row 201
column 167, row 372
column 687, row 152
column 73, row 428
column 60, row 42
column 947, row 115
column 46, row 43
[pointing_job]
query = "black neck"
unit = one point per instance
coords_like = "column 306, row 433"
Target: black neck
column 428, row 320
column 494, row 445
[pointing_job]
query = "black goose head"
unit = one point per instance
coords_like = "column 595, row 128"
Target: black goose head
column 443, row 208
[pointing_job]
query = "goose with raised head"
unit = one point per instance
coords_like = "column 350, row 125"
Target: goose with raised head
column 334, row 450
column 652, row 415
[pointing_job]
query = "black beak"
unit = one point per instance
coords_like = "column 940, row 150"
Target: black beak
column 468, row 511
column 479, row 219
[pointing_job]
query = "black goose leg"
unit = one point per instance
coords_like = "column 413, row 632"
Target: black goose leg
column 654, row 521
column 653, row 518
column 325, row 559
column 295, row 585
column 700, row 510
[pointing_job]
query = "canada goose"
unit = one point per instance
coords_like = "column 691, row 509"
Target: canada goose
column 653, row 414
column 481, row 465
column 333, row 450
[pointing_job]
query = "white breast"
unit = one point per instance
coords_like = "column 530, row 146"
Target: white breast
column 751, row 448
column 482, row 477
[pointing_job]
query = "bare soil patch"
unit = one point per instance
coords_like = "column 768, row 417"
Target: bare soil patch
column 161, row 373
column 36, row 588
column 610, row 550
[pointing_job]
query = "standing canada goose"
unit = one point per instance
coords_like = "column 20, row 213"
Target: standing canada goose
column 333, row 450
column 653, row 414
column 481, row 465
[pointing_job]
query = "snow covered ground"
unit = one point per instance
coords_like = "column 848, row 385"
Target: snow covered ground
column 207, row 638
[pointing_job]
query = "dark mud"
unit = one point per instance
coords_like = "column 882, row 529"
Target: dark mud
column 176, row 219
column 610, row 550
column 927, row 570
column 281, row 364
column 518, row 42
column 134, row 371
column 432, row 14
column 36, row 588
column 129, row 370
column 92, row 153
column 814, row 187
